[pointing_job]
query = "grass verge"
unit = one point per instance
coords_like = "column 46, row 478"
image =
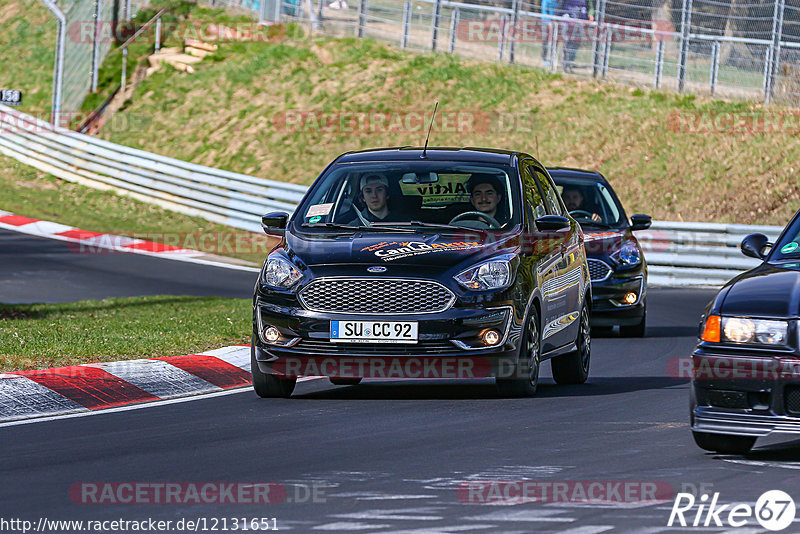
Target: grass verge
column 38, row 336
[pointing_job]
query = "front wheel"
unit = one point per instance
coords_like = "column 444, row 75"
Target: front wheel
column 573, row 367
column 724, row 443
column 266, row 385
column 526, row 379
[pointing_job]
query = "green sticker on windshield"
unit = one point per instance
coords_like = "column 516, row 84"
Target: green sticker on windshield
column 789, row 247
column 315, row 219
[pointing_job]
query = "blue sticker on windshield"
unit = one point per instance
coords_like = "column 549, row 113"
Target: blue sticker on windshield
column 315, row 219
column 789, row 247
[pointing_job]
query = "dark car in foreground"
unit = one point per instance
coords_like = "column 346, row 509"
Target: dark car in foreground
column 424, row 263
column 616, row 262
column 746, row 368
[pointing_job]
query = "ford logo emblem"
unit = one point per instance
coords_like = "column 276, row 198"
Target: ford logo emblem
column 376, row 269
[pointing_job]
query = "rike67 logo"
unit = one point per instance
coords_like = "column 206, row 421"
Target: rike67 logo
column 774, row 510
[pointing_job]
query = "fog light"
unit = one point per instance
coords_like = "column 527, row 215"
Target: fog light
column 629, row 298
column 271, row 334
column 491, row 337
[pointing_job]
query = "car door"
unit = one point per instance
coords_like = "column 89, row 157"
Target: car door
column 567, row 290
column 543, row 252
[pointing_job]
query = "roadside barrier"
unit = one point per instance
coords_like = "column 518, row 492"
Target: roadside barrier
column 678, row 253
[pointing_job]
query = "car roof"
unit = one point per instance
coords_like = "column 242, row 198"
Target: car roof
column 579, row 174
column 471, row 154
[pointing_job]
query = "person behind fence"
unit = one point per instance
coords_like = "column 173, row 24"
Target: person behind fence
column 548, row 9
column 574, row 31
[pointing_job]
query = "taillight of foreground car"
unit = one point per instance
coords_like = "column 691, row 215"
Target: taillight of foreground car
column 745, row 330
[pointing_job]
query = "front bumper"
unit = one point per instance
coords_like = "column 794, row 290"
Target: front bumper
column 745, row 394
column 607, row 309
column 448, row 345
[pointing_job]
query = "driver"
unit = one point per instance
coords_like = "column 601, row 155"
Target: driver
column 485, row 195
column 574, row 200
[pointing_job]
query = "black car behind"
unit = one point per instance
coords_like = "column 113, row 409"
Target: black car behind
column 616, row 263
column 746, row 368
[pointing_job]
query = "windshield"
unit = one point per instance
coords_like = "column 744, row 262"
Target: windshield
column 421, row 194
column 590, row 202
column 788, row 248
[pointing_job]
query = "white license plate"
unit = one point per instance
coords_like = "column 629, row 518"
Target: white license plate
column 374, row 331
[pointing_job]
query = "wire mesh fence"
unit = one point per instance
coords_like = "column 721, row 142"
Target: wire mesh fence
column 731, row 48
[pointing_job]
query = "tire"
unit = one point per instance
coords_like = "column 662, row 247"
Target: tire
column 573, row 367
column 526, row 379
column 724, row 443
column 345, row 381
column 636, row 330
column 266, row 385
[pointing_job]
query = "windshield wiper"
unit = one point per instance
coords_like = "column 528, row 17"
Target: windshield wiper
column 335, row 226
column 434, row 226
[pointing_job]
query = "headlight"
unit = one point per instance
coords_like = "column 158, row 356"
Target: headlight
column 280, row 273
column 745, row 330
column 629, row 254
column 493, row 274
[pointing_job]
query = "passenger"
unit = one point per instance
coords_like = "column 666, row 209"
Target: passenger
column 374, row 193
column 485, row 195
column 574, row 200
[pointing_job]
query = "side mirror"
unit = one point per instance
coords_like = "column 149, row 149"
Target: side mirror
column 640, row 222
column 754, row 245
column 552, row 223
column 275, row 223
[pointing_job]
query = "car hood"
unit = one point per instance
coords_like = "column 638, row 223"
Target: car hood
column 601, row 243
column 400, row 248
column 770, row 290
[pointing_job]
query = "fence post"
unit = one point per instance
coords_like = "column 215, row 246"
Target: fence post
column 96, row 45
column 714, row 66
column 501, row 45
column 659, row 63
column 362, row 17
column 437, row 15
column 553, row 45
column 320, row 9
column 599, row 32
column 512, row 52
column 124, row 69
column 686, row 26
column 606, row 54
column 767, row 63
column 777, row 36
column 58, row 66
column 406, row 23
column 277, row 13
column 158, row 35
column 453, row 29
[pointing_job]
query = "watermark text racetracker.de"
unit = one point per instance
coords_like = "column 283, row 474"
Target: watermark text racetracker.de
column 735, row 122
column 566, row 491
column 149, row 524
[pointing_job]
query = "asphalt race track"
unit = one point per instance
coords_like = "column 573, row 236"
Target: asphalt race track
column 36, row 269
column 388, row 456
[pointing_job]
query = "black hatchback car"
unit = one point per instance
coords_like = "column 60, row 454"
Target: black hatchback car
column 424, row 263
column 746, row 368
column 616, row 263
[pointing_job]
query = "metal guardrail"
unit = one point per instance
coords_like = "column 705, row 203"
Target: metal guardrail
column 678, row 253
column 229, row 198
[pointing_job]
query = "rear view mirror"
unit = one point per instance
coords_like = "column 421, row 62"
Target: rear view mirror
column 552, row 223
column 274, row 223
column 754, row 246
column 420, row 178
column 640, row 222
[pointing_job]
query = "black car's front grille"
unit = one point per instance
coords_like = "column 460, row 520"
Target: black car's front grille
column 791, row 396
column 598, row 270
column 376, row 296
column 315, row 347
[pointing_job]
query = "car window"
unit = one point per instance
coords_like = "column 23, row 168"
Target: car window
column 533, row 197
column 590, row 201
column 788, row 248
column 472, row 195
column 549, row 192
